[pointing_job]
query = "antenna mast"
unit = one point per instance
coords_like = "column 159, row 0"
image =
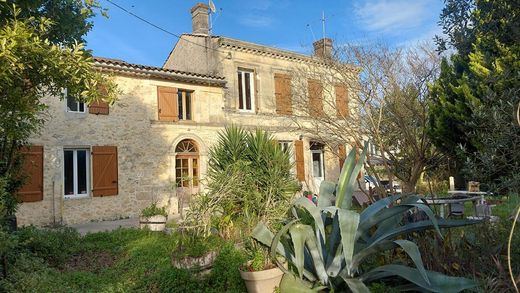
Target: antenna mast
column 323, row 22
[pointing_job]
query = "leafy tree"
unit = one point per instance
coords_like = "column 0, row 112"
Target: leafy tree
column 71, row 18
column 31, row 67
column 474, row 100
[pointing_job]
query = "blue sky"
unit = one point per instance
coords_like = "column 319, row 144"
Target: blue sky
column 287, row 24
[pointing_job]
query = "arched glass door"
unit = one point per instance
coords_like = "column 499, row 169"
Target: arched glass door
column 187, row 165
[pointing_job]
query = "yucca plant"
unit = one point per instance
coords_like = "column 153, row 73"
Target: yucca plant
column 325, row 244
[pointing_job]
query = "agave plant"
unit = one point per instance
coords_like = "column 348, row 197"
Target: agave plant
column 325, row 244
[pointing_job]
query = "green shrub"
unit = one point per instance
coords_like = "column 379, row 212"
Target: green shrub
column 154, row 210
column 225, row 275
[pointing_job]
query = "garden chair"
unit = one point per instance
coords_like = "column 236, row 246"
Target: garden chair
column 456, row 210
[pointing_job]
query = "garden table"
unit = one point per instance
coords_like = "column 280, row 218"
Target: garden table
column 443, row 202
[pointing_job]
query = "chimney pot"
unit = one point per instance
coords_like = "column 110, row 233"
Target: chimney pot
column 200, row 19
column 323, row 48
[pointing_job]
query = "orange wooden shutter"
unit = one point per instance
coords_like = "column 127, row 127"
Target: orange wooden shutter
column 341, row 101
column 342, row 154
column 282, row 90
column 167, row 102
column 300, row 161
column 99, row 107
column 32, row 169
column 315, row 97
column 104, row 171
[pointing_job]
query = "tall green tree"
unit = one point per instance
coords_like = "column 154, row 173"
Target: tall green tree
column 31, row 67
column 475, row 97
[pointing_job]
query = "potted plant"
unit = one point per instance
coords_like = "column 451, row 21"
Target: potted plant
column 259, row 273
column 153, row 217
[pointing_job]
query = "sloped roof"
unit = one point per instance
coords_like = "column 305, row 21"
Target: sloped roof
column 123, row 67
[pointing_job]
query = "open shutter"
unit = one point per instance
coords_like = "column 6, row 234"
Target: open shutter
column 300, row 161
column 32, row 169
column 99, row 107
column 104, row 171
column 342, row 154
column 315, row 97
column 282, row 89
column 341, row 101
column 167, row 102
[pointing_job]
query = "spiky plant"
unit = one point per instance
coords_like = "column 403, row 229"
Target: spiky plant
column 326, row 244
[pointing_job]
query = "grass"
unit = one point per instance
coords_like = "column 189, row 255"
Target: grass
column 124, row 260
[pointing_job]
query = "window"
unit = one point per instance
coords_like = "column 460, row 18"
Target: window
column 76, row 171
column 187, row 164
column 73, row 105
column 318, row 168
column 246, row 90
column 184, row 104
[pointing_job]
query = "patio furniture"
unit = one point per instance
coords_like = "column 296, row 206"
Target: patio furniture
column 460, row 200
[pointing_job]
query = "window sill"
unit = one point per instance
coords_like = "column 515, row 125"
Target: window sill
column 72, row 197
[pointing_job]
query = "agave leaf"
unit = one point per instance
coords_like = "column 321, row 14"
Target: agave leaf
column 366, row 226
column 263, row 235
column 326, row 197
column 298, row 240
column 312, row 246
column 333, row 240
column 347, row 201
column 413, row 251
column 438, row 281
column 343, row 180
column 374, row 248
column 315, row 212
column 374, row 208
column 356, row 285
column 424, row 225
column 291, row 284
column 348, row 224
column 335, row 265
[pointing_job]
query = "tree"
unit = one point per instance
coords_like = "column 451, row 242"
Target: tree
column 388, row 106
column 475, row 97
column 31, row 67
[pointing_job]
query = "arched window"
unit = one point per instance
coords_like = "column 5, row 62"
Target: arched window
column 187, row 164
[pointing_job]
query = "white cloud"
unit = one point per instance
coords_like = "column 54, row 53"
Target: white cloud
column 392, row 15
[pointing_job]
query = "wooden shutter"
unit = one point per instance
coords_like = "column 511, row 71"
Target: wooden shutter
column 342, row 110
column 32, row 170
column 99, row 107
column 300, row 160
column 104, row 171
column 282, row 91
column 315, row 97
column 342, row 154
column 167, row 103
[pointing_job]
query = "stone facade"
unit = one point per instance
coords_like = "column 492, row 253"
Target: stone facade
column 146, row 146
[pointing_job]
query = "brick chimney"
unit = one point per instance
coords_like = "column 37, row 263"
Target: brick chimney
column 323, row 48
column 200, row 19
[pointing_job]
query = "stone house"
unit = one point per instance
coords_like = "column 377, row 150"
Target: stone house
column 99, row 162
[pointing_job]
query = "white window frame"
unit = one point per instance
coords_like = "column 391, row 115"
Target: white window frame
column 322, row 163
column 74, row 168
column 243, row 72
column 66, row 96
column 290, row 146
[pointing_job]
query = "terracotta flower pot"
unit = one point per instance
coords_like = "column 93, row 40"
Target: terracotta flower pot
column 154, row 223
column 262, row 281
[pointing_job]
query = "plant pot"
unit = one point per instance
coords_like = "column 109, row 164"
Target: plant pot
column 262, row 281
column 154, row 223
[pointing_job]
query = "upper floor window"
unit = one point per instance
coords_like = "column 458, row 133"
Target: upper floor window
column 73, row 105
column 246, row 90
column 184, row 104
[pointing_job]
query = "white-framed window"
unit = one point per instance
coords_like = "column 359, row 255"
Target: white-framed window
column 76, row 172
column 184, row 104
column 246, row 90
column 287, row 146
column 73, row 105
column 318, row 162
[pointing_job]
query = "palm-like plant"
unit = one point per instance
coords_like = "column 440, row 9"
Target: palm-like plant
column 326, row 244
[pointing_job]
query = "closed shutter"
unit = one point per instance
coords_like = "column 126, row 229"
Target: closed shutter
column 282, row 90
column 167, row 103
column 315, row 97
column 99, row 107
column 341, row 101
column 342, row 154
column 32, row 170
column 300, row 161
column 104, row 171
